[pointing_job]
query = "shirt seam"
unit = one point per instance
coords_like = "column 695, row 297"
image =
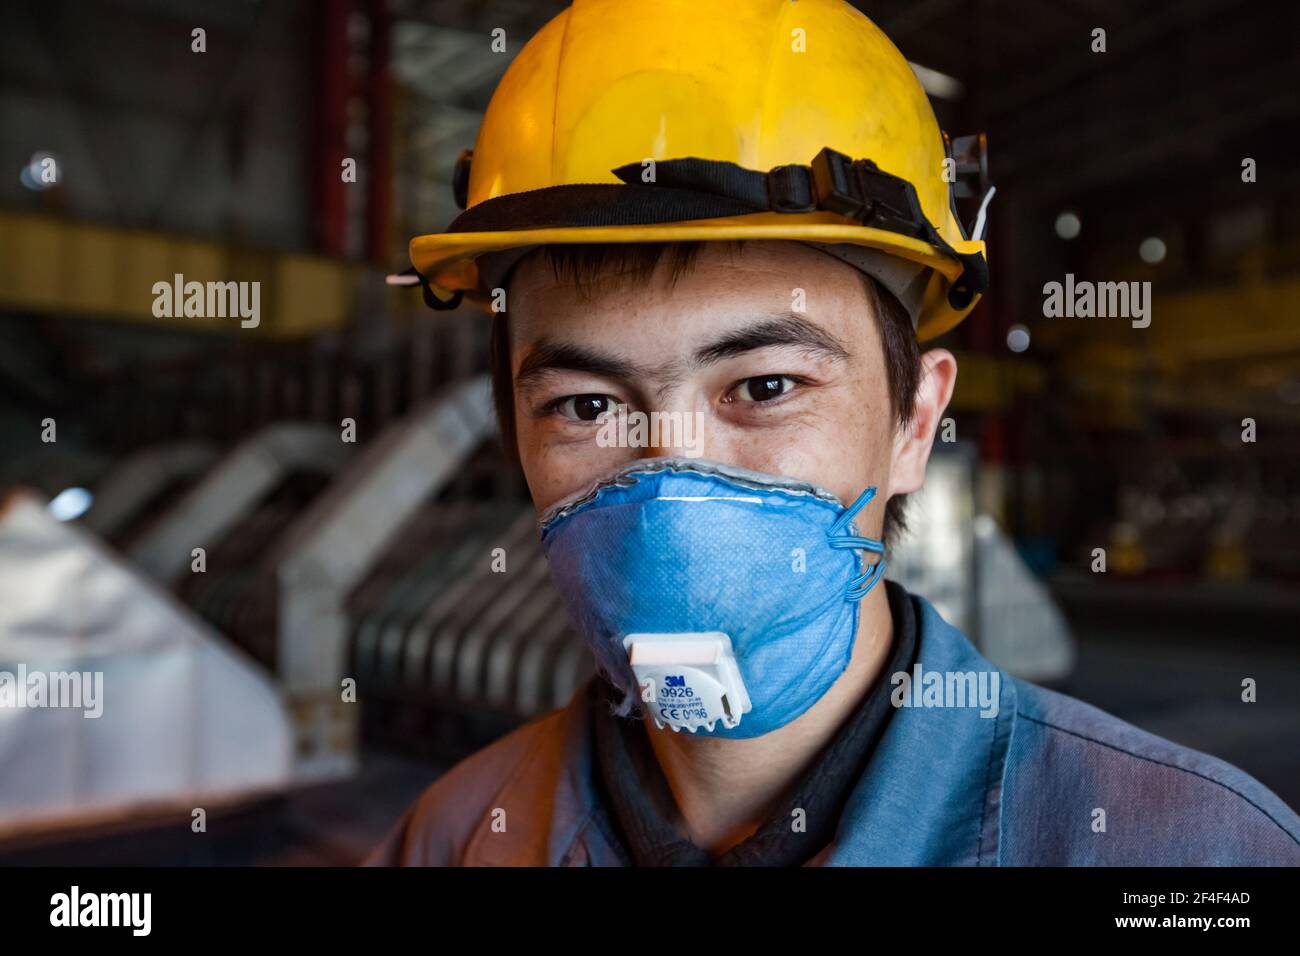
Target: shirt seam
column 567, row 857
column 984, row 813
column 1162, row 763
column 598, row 819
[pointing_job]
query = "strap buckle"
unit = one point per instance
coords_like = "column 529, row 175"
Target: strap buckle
column 970, row 156
column 789, row 189
column 859, row 189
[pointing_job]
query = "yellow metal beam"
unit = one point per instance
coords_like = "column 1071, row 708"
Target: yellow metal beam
column 988, row 383
column 53, row 265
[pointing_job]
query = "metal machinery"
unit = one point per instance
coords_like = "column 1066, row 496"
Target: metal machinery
column 164, row 714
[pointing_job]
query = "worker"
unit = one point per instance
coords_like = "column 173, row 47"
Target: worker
column 742, row 213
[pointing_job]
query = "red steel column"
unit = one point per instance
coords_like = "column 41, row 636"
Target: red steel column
column 330, row 146
column 380, row 119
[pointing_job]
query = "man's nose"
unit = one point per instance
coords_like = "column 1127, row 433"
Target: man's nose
column 675, row 432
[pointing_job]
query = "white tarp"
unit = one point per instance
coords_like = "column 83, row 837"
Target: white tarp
column 185, row 719
column 1021, row 629
column 967, row 567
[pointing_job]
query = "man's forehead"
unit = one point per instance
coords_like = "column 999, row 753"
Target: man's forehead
column 790, row 291
column 612, row 267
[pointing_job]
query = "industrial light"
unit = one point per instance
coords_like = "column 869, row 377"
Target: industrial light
column 1017, row 338
column 1152, row 250
column 938, row 84
column 42, row 172
column 70, row 503
column 1068, row 225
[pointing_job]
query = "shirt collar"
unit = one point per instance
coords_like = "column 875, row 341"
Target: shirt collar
column 639, row 803
column 931, row 794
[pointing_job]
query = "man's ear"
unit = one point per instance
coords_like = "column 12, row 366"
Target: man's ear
column 912, row 444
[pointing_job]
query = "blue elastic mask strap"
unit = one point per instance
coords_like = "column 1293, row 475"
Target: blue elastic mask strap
column 859, row 587
column 852, row 510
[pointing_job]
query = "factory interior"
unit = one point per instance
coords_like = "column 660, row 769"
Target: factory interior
column 233, row 519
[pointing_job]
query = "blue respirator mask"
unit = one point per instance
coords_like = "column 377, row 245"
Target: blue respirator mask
column 724, row 600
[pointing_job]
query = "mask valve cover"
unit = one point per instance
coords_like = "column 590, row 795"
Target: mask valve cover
column 688, row 680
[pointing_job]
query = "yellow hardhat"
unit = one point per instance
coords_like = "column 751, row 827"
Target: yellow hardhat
column 670, row 120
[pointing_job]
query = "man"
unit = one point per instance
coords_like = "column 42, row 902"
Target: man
column 674, row 204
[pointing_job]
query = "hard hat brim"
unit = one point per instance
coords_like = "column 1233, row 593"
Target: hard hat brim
column 447, row 259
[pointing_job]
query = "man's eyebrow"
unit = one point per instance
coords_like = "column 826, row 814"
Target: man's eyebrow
column 547, row 356
column 788, row 329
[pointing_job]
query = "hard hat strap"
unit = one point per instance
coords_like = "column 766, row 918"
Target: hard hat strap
column 412, row 276
column 679, row 190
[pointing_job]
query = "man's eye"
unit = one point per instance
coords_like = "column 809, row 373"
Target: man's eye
column 585, row 408
column 763, row 388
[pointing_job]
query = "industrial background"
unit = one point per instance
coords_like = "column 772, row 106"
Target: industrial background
column 178, row 508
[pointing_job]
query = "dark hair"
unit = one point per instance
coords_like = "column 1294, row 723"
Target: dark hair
column 588, row 267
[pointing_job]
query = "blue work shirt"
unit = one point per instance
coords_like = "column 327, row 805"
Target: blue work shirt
column 1047, row 780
